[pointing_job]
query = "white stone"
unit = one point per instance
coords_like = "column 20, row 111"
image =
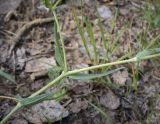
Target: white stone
column 104, row 12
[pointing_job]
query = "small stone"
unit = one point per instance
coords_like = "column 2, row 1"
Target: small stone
column 110, row 100
column 39, row 65
column 120, row 77
column 42, row 112
column 104, row 12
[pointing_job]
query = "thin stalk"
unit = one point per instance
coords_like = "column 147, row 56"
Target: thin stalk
column 62, row 41
column 7, row 97
column 19, row 106
column 56, row 4
column 81, row 30
column 114, row 44
column 101, row 66
column 102, row 34
column 92, row 39
column 65, row 74
column 48, row 85
column 153, row 41
column 91, row 68
column 16, row 108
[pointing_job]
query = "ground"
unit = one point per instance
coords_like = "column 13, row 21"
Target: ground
column 27, row 52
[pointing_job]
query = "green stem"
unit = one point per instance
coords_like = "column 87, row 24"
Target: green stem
column 65, row 74
column 48, row 85
column 101, row 66
column 16, row 108
column 62, row 41
column 56, row 4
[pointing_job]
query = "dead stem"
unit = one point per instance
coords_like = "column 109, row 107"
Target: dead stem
column 25, row 28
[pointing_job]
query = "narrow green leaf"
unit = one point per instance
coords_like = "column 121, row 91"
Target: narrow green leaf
column 34, row 100
column 81, row 32
column 115, row 42
column 114, row 22
column 48, row 4
column 92, row 39
column 60, row 94
column 54, row 72
column 39, row 98
column 7, row 76
column 59, row 57
column 60, row 42
column 51, row 5
column 145, row 53
column 104, row 41
column 56, row 4
column 58, row 50
column 153, row 42
column 82, row 76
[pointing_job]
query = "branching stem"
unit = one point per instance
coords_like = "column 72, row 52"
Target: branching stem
column 68, row 73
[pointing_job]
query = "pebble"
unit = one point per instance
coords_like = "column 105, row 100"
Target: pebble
column 104, row 12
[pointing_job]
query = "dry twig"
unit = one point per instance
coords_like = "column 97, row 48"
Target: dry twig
column 25, row 28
